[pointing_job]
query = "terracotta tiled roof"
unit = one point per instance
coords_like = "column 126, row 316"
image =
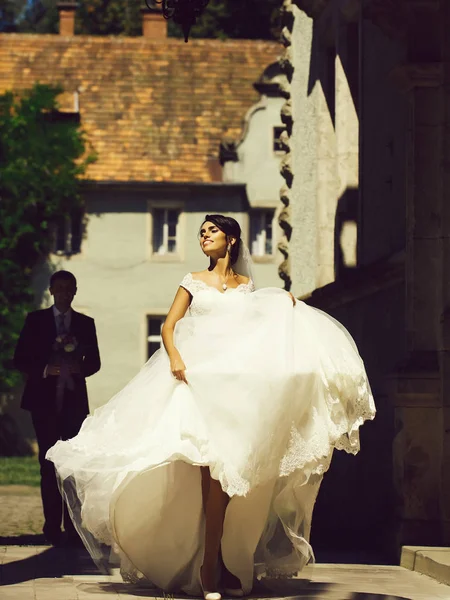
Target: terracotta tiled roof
column 153, row 110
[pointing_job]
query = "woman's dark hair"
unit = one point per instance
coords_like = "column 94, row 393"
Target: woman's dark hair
column 231, row 228
column 65, row 275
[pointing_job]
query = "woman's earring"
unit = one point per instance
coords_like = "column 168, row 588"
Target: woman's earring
column 229, row 248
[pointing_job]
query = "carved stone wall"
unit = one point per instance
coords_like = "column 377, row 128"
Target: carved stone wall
column 284, row 269
column 365, row 200
column 299, row 168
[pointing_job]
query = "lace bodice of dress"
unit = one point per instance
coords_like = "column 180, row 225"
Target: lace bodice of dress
column 206, row 298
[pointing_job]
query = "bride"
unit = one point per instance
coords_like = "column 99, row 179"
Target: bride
column 202, row 473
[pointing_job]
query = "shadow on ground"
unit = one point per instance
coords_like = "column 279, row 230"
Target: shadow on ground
column 304, row 589
column 49, row 563
column 59, row 562
column 32, row 539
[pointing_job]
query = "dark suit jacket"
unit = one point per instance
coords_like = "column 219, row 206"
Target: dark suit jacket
column 34, row 350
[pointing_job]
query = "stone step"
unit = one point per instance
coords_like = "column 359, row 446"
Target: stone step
column 431, row 561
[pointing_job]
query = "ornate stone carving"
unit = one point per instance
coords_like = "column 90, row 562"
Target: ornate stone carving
column 228, row 151
column 285, row 141
column 272, row 82
column 285, row 219
column 285, row 195
column 286, row 169
column 286, row 63
column 285, row 90
column 286, row 115
column 285, row 222
column 284, row 268
column 286, row 37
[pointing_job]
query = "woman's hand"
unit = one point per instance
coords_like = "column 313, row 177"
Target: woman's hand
column 178, row 368
column 294, row 301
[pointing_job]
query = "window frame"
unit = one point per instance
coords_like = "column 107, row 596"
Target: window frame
column 178, row 255
column 153, row 338
column 68, row 235
column 277, row 132
column 262, row 215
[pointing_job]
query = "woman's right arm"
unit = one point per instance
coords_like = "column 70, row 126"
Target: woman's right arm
column 177, row 311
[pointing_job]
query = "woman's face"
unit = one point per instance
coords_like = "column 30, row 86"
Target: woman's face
column 212, row 239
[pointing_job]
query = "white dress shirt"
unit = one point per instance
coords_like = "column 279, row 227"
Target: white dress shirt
column 67, row 317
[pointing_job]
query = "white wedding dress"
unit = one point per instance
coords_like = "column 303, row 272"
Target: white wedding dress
column 272, row 389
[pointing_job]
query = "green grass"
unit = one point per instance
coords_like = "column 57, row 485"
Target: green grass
column 19, row 470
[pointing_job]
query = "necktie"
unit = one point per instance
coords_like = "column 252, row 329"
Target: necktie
column 61, row 324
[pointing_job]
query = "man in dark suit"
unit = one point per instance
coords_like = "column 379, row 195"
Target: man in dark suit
column 55, row 391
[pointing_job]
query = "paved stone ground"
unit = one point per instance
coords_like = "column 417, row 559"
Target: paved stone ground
column 20, row 511
column 32, row 571
column 45, row 573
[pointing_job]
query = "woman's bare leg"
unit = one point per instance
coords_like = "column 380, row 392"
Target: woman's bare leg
column 215, row 504
column 206, row 479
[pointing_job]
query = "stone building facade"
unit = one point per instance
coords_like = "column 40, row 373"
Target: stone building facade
column 155, row 110
column 367, row 238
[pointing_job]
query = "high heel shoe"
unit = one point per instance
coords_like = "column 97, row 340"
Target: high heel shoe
column 208, row 595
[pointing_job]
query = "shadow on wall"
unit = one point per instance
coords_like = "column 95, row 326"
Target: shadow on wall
column 355, row 510
column 346, row 224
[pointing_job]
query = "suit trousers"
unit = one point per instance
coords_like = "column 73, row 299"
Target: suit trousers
column 51, row 426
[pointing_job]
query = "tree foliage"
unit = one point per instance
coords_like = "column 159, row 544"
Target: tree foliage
column 109, row 17
column 42, row 156
column 249, row 19
column 245, row 19
column 28, row 16
column 8, row 15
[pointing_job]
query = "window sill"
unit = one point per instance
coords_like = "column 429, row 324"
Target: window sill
column 264, row 259
column 63, row 254
column 166, row 258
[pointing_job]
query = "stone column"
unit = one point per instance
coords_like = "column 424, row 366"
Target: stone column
column 416, row 389
column 445, row 320
column 285, row 216
column 303, row 243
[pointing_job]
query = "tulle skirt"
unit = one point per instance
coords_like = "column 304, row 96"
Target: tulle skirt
column 272, row 390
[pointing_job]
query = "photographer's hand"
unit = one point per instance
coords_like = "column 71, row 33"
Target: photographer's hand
column 53, row 370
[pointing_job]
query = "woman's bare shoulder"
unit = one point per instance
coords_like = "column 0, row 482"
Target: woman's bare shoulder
column 242, row 279
column 202, row 275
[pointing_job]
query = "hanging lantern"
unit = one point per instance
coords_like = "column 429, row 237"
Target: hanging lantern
column 183, row 12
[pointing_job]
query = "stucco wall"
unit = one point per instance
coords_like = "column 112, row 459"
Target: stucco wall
column 258, row 165
column 120, row 283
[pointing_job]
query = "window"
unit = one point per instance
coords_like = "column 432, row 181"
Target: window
column 165, row 230
column 277, row 143
column 261, row 232
column 154, row 326
column 68, row 234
